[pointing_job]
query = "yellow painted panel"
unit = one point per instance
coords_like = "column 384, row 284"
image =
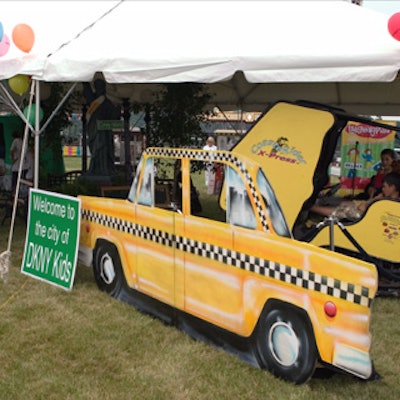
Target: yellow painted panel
column 378, row 232
column 286, row 142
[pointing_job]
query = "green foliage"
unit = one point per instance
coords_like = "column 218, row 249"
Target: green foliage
column 78, row 187
column 86, row 187
column 82, row 185
column 176, row 115
column 51, row 157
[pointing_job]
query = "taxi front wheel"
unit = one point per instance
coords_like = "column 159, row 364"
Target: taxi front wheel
column 285, row 345
column 107, row 269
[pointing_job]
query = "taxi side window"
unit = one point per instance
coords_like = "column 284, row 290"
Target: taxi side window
column 157, row 182
column 146, row 187
column 205, row 188
column 239, row 209
column 165, row 172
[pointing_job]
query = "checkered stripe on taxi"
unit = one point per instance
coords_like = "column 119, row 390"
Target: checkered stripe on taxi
column 216, row 156
column 306, row 279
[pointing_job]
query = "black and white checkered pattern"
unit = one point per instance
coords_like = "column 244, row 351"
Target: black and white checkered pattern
column 305, row 279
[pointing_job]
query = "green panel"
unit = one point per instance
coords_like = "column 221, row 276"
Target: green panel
column 52, row 238
column 10, row 123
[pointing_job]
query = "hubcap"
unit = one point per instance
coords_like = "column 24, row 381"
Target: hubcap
column 107, row 270
column 283, row 343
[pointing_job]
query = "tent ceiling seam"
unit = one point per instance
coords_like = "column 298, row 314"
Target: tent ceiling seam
column 87, row 28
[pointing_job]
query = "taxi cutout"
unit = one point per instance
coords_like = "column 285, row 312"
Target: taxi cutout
column 226, row 258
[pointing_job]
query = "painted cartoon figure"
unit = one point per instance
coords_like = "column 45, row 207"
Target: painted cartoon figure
column 368, row 157
column 281, row 141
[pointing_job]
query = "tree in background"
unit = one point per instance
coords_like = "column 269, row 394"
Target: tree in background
column 51, row 152
column 176, row 114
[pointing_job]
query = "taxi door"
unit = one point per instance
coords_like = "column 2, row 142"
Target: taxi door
column 154, row 230
column 212, row 279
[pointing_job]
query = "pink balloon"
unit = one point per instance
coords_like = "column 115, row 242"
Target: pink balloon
column 4, row 45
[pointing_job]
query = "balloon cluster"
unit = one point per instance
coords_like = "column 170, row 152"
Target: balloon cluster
column 23, row 37
column 394, row 26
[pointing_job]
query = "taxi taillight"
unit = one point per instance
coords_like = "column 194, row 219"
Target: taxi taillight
column 330, row 309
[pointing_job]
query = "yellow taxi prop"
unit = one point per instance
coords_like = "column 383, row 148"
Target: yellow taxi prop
column 218, row 257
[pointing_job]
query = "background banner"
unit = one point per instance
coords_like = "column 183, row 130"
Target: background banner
column 361, row 148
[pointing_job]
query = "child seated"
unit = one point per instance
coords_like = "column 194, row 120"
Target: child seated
column 354, row 210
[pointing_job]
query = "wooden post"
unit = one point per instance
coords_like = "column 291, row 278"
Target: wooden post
column 127, row 142
column 84, row 139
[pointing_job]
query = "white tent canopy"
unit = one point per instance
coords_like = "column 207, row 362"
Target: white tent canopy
column 249, row 52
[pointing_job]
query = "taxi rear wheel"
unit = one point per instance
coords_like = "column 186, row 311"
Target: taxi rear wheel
column 107, row 269
column 285, row 345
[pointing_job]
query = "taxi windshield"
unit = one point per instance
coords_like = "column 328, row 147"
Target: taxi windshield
column 274, row 210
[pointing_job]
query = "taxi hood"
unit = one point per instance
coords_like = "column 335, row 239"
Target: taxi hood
column 295, row 143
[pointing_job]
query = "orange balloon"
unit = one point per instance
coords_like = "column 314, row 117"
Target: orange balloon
column 23, row 37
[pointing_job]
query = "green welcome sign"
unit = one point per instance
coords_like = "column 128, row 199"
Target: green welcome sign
column 52, row 237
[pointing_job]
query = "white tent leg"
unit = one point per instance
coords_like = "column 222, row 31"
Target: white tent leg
column 60, row 104
column 15, row 106
column 36, row 138
column 5, row 256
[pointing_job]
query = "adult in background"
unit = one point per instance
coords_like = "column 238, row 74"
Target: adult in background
column 2, row 167
column 209, row 166
column 2, row 159
column 26, row 182
column 15, row 154
column 100, row 141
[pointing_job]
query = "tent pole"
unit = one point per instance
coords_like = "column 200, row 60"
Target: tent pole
column 84, row 139
column 36, row 137
column 226, row 118
column 127, row 141
column 60, row 104
column 15, row 106
column 16, row 190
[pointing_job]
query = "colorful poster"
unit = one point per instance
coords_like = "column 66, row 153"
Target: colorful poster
column 360, row 153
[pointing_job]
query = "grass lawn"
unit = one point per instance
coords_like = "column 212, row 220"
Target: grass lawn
column 83, row 344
